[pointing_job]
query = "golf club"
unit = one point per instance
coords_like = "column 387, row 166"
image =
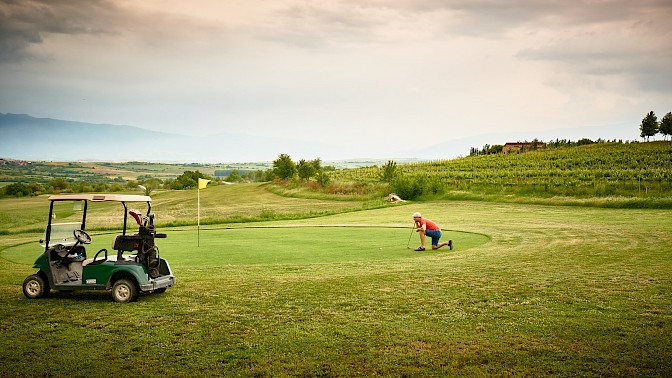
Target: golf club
column 409, row 237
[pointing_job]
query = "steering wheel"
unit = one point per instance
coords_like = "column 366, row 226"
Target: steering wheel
column 82, row 236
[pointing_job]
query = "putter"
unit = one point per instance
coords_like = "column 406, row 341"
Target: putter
column 409, row 238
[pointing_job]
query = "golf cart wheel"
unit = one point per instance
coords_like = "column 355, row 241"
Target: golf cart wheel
column 35, row 287
column 124, row 291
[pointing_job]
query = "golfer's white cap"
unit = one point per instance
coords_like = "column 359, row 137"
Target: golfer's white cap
column 417, row 215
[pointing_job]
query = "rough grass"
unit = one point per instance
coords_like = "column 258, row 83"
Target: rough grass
column 553, row 291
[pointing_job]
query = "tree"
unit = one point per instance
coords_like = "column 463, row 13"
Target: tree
column 100, row 187
column 268, row 175
column 305, row 169
column 389, row 171
column 149, row 185
column 649, row 126
column 81, row 187
column 665, row 126
column 58, row 184
column 234, row 176
column 317, row 165
column 188, row 179
column 254, row 176
column 283, row 167
column 18, row 189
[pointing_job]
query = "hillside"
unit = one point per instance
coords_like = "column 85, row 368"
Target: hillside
column 638, row 172
column 597, row 170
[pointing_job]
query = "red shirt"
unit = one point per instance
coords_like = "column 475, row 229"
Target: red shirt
column 429, row 224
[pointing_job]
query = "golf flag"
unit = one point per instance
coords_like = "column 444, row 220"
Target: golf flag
column 202, row 183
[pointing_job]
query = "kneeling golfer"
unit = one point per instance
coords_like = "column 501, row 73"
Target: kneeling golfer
column 428, row 227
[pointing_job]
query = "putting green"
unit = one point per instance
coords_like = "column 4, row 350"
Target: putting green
column 282, row 245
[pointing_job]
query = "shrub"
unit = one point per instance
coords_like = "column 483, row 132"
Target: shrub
column 187, row 180
column 323, row 179
column 409, row 187
column 412, row 187
column 18, row 189
column 58, row 184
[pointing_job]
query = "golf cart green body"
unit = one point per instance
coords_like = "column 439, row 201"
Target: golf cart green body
column 133, row 266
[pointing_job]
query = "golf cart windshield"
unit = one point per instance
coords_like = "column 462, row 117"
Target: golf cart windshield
column 61, row 233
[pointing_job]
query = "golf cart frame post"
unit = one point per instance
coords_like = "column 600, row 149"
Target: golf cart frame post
column 94, row 198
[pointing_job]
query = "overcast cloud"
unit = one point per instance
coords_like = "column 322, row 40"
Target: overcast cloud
column 372, row 76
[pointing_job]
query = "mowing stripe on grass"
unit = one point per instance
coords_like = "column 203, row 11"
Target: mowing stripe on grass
column 275, row 244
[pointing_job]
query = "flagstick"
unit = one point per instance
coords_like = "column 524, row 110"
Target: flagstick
column 203, row 183
column 199, row 217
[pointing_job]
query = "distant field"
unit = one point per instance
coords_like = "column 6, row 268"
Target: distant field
column 219, row 204
column 529, row 291
column 45, row 171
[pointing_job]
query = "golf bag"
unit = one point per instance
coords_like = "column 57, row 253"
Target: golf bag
column 143, row 243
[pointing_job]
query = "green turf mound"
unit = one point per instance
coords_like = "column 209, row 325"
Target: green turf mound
column 307, row 245
column 283, row 245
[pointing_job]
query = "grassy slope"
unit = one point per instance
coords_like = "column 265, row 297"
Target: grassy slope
column 608, row 161
column 604, row 171
column 556, row 291
column 219, row 204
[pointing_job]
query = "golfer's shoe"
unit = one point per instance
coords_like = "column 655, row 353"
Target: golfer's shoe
column 450, row 244
column 420, row 249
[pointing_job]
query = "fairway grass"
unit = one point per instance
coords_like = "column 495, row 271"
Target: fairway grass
column 238, row 203
column 529, row 291
column 260, row 245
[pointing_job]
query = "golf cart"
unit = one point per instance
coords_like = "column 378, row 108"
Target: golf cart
column 135, row 265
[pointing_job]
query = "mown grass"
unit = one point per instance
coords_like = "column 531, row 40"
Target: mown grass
column 219, row 204
column 544, row 291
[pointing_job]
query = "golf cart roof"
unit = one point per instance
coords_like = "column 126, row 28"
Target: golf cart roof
column 100, row 197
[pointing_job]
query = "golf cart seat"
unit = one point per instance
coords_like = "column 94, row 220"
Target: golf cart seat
column 99, row 260
column 127, row 243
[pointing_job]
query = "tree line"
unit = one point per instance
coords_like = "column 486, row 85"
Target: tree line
column 283, row 168
column 557, row 143
column 650, row 125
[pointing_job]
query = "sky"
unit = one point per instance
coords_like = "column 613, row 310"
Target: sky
column 369, row 76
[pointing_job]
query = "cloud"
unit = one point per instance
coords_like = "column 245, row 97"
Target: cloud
column 625, row 45
column 330, row 69
column 630, row 45
column 28, row 22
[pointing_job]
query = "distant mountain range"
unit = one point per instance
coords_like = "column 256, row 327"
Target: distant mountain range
column 23, row 137
column 45, row 139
